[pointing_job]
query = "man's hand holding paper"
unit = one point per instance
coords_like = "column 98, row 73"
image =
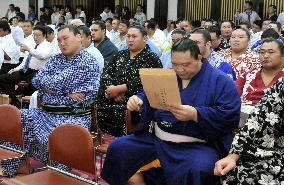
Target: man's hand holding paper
column 183, row 112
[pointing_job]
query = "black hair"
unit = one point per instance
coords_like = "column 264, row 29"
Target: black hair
column 185, row 45
column 101, row 24
column 32, row 7
column 42, row 9
column 49, row 30
column 179, row 31
column 246, row 31
column 249, row 2
column 215, row 29
column 273, row 6
column 231, row 23
column 270, row 33
column 109, row 20
column 85, row 30
column 80, row 7
column 5, row 26
column 12, row 5
column 71, row 28
column 204, row 32
column 258, row 23
column 42, row 29
column 29, row 21
column 278, row 42
column 151, row 24
column 140, row 28
column 277, row 23
column 124, row 21
column 17, row 9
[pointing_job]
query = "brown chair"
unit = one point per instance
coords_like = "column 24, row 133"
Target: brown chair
column 11, row 131
column 71, row 145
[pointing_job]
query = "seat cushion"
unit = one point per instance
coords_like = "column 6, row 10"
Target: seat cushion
column 47, row 177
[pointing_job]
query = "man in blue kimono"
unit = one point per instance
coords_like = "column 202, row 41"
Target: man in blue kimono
column 187, row 139
column 67, row 85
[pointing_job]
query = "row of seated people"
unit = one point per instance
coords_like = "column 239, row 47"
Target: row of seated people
column 59, row 83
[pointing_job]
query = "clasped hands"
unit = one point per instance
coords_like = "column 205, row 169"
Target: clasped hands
column 115, row 92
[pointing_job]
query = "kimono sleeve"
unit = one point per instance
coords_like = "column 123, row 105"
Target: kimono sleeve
column 223, row 114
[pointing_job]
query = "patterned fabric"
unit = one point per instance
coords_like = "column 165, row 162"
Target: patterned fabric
column 252, row 87
column 225, row 44
column 221, row 64
column 121, row 70
column 58, row 78
column 242, row 64
column 260, row 143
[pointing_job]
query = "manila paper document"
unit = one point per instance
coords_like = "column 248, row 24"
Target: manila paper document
column 160, row 87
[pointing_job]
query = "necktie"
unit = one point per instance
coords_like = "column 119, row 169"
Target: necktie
column 27, row 62
column 249, row 13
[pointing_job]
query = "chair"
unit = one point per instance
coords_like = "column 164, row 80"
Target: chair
column 71, row 145
column 11, row 131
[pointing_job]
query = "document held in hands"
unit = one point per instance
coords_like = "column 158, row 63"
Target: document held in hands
column 160, row 86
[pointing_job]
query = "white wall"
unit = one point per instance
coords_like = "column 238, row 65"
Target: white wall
column 172, row 9
column 23, row 4
column 150, row 9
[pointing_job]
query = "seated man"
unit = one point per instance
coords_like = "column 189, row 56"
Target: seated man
column 256, row 82
column 36, row 58
column 257, row 155
column 67, row 85
column 188, row 139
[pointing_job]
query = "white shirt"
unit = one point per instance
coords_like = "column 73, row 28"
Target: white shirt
column 119, row 41
column 10, row 14
column 1, row 56
column 98, row 56
column 281, row 19
column 141, row 17
column 54, row 18
column 243, row 17
column 40, row 56
column 30, row 42
column 105, row 15
column 9, row 46
column 55, row 48
column 160, row 40
column 18, row 34
column 82, row 14
column 109, row 34
column 68, row 17
column 254, row 38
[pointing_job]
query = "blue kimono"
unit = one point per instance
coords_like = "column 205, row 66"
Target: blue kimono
column 216, row 99
column 58, row 78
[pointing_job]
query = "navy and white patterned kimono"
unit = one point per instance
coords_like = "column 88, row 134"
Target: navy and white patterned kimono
column 217, row 102
column 58, row 78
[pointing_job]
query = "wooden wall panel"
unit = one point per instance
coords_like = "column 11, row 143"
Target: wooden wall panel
column 197, row 9
column 229, row 8
column 278, row 3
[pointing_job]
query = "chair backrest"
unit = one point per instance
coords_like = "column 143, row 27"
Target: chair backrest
column 10, row 124
column 73, row 146
column 132, row 121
